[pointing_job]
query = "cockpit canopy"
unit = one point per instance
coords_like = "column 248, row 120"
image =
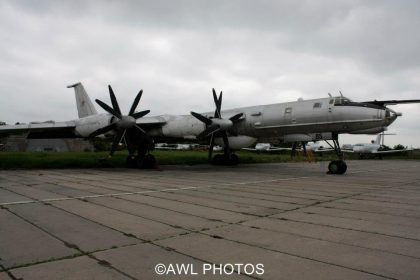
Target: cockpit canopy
column 341, row 100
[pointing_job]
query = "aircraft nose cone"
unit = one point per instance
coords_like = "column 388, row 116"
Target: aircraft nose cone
column 126, row 122
column 391, row 115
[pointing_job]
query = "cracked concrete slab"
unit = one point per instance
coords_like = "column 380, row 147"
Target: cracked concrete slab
column 357, row 258
column 85, row 234
column 140, row 261
column 77, row 268
column 21, row 243
column 169, row 217
column 190, row 208
column 276, row 265
column 292, row 217
column 129, row 224
column 402, row 246
column 403, row 231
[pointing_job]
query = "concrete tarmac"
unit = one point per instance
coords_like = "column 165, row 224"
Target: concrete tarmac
column 256, row 221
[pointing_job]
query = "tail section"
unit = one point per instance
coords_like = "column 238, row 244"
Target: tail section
column 378, row 139
column 84, row 104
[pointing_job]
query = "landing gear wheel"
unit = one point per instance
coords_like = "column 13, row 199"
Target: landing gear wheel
column 146, row 162
column 234, row 160
column 131, row 161
column 337, row 167
column 217, row 160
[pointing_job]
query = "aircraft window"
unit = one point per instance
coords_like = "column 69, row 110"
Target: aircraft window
column 331, row 101
column 317, row 105
column 288, row 110
column 341, row 100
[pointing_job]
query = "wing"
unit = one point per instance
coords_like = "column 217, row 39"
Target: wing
column 151, row 121
column 48, row 129
column 391, row 151
column 391, row 102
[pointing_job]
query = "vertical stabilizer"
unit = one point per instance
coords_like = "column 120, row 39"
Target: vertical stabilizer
column 378, row 139
column 84, row 104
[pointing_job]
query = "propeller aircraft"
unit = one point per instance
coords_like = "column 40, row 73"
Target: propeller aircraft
column 299, row 121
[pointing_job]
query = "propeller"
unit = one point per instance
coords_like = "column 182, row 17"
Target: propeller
column 217, row 126
column 123, row 123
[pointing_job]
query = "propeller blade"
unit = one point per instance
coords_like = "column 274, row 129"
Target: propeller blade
column 218, row 103
column 114, row 100
column 142, row 131
column 202, row 118
column 108, row 109
column 210, row 130
column 117, row 140
column 211, row 146
column 103, row 130
column 236, row 117
column 140, row 114
column 226, row 143
column 135, row 103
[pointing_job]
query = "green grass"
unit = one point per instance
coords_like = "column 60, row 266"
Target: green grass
column 33, row 160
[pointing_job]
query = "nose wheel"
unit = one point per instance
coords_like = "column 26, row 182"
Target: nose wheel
column 337, row 166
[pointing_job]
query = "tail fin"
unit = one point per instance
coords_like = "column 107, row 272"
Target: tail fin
column 84, row 104
column 378, row 139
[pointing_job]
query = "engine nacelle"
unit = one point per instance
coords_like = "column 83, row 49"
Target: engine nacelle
column 85, row 126
column 308, row 137
column 182, row 127
column 237, row 142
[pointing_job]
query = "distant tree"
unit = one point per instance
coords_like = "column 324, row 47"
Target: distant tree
column 399, row 147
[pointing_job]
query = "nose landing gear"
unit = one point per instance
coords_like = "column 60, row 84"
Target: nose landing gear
column 337, row 166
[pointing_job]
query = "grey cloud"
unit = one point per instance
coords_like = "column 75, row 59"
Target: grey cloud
column 255, row 51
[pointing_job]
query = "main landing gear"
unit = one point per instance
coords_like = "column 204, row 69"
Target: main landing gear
column 143, row 159
column 337, row 166
column 147, row 161
column 224, row 159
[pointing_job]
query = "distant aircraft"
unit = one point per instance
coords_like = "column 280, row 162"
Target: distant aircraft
column 371, row 148
column 310, row 147
column 299, row 121
column 264, row 147
column 179, row 147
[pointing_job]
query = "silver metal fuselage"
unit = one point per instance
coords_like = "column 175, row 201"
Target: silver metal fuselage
column 267, row 122
column 284, row 122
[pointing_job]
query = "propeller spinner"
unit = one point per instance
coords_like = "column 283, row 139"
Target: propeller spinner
column 217, row 126
column 123, row 123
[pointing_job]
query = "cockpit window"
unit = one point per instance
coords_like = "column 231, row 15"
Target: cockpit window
column 341, row 100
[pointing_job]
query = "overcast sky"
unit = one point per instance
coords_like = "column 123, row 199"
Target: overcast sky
column 257, row 52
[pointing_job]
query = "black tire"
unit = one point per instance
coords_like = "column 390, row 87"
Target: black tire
column 343, row 167
column 146, row 162
column 131, row 162
column 217, row 160
column 234, row 160
column 333, row 167
column 149, row 161
column 337, row 167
